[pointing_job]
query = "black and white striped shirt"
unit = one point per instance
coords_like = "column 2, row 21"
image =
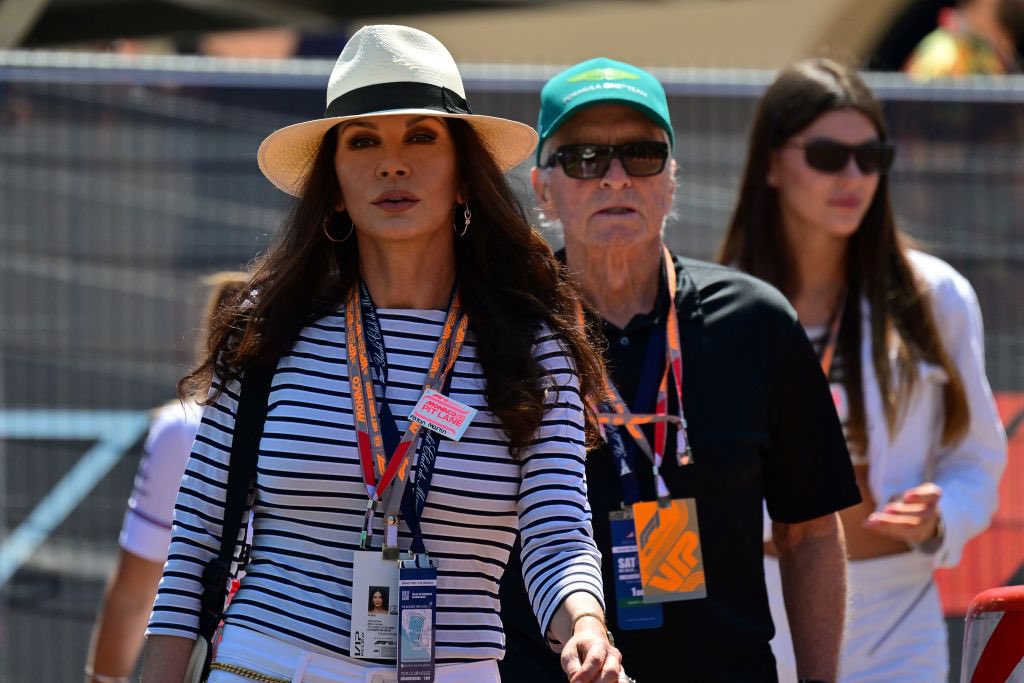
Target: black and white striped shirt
column 310, row 499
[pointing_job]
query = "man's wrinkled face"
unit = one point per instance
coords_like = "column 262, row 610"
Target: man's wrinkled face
column 616, row 209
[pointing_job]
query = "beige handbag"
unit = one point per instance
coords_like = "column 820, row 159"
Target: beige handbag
column 197, row 661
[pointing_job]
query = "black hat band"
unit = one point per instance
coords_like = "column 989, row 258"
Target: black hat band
column 381, row 97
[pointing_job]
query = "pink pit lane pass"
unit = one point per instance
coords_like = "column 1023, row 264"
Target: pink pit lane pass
column 443, row 415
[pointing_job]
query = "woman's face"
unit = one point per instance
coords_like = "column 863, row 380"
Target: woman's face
column 830, row 202
column 398, row 177
column 378, row 600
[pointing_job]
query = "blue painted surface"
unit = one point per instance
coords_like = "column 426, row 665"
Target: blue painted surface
column 114, row 432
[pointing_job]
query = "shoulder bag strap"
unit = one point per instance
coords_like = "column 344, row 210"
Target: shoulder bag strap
column 249, row 420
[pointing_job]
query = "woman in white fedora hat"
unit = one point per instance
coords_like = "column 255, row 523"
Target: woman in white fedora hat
column 425, row 403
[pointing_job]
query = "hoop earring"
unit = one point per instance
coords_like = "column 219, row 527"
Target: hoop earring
column 327, row 219
column 467, row 217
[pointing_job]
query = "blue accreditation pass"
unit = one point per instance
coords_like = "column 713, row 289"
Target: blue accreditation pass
column 630, row 611
column 417, row 609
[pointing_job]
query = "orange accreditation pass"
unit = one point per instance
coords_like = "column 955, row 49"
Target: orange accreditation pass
column 443, row 415
column 668, row 540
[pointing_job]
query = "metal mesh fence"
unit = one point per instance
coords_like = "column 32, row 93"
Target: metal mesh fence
column 122, row 182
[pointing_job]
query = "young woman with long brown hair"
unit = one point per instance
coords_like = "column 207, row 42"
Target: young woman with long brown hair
column 899, row 335
column 406, row 294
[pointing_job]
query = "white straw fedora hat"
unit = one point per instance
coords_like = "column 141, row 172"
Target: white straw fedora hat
column 389, row 70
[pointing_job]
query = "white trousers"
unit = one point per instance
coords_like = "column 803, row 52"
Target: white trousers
column 264, row 654
column 895, row 629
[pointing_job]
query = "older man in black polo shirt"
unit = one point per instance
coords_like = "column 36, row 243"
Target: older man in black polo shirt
column 719, row 405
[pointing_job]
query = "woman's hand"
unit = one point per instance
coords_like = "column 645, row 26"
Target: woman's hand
column 588, row 657
column 912, row 517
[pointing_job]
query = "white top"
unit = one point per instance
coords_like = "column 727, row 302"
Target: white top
column 968, row 471
column 146, row 531
column 310, row 499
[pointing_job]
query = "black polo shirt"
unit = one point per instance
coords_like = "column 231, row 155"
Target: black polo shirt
column 762, row 426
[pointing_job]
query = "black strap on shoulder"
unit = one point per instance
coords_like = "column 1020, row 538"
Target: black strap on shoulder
column 249, row 420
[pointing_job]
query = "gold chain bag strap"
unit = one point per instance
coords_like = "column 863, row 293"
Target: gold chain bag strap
column 249, row 420
column 248, row 673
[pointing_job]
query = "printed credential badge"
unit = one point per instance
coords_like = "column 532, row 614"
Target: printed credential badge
column 442, row 414
column 417, row 608
column 668, row 541
column 631, row 613
column 374, row 607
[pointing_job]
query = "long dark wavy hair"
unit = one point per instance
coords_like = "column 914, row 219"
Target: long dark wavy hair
column 878, row 267
column 509, row 279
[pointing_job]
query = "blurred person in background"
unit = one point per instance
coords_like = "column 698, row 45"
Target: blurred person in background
column 723, row 402
column 899, row 336
column 146, row 532
column 406, row 276
column 978, row 37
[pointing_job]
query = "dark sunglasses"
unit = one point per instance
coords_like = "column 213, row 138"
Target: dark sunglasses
column 830, row 156
column 593, row 161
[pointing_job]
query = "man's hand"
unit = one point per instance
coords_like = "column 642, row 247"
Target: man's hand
column 588, row 657
column 912, row 517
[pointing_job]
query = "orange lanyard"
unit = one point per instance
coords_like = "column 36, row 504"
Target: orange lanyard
column 613, row 412
column 380, row 471
column 829, row 351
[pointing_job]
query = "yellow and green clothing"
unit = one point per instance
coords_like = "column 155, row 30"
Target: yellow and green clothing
column 953, row 50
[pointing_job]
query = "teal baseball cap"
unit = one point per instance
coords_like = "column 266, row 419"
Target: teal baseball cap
column 600, row 81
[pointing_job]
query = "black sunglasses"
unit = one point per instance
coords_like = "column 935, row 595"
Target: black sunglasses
column 593, row 161
column 830, row 156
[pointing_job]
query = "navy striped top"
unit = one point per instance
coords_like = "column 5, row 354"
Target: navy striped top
column 310, row 498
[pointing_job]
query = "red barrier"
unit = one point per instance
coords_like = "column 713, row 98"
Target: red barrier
column 994, row 637
column 995, row 556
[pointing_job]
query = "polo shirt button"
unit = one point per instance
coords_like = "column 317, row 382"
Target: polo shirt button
column 623, row 341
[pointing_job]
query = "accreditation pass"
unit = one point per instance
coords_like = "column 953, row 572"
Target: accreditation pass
column 443, row 415
column 374, row 607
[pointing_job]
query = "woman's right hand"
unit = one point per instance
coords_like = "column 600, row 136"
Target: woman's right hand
column 165, row 659
column 912, row 517
column 589, row 657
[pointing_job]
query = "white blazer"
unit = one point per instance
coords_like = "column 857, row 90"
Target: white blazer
column 968, row 471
